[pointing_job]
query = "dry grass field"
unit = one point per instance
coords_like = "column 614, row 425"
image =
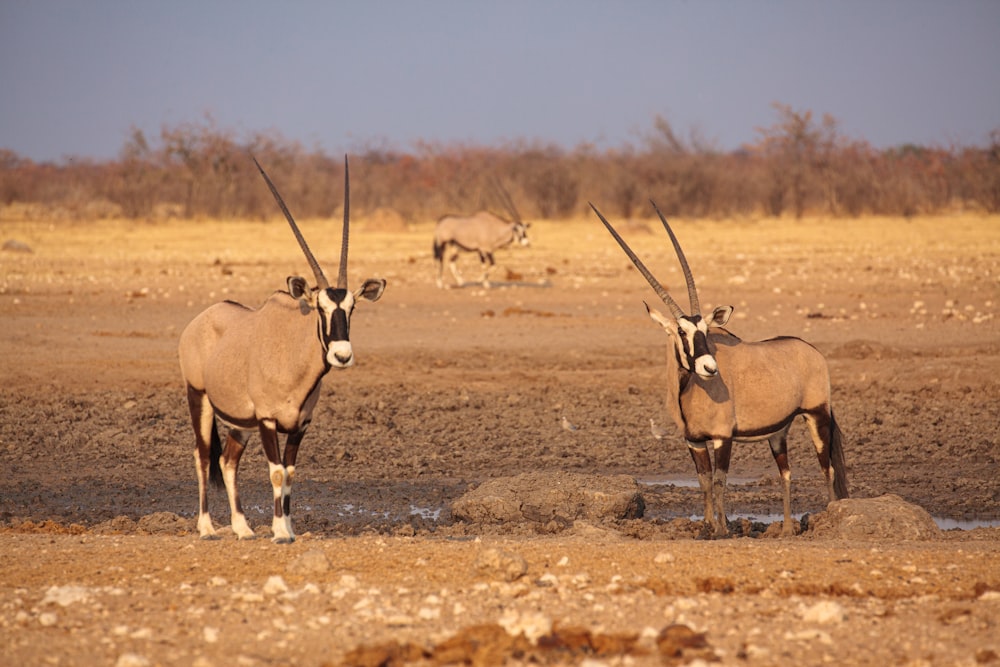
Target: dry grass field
column 102, row 565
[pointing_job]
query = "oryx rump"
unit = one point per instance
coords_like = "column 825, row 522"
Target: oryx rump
column 721, row 390
column 261, row 369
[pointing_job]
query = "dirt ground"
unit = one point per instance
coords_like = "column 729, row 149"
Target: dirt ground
column 102, row 565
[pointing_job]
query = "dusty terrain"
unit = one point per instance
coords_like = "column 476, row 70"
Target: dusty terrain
column 101, row 563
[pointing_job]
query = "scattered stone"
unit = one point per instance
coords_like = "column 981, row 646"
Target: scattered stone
column 165, row 523
column 823, row 612
column 132, row 660
column 313, row 561
column 275, row 585
column 496, row 563
column 887, row 517
column 64, row 596
column 545, row 498
column 679, row 641
column 13, row 245
column 531, row 625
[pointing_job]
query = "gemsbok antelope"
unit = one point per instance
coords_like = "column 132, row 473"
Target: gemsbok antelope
column 483, row 233
column 721, row 390
column 262, row 369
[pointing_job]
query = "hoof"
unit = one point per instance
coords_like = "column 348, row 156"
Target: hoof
column 283, row 540
column 248, row 536
column 210, row 537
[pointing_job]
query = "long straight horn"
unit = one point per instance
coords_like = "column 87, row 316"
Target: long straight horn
column 318, row 272
column 653, row 282
column 506, row 201
column 688, row 278
column 342, row 276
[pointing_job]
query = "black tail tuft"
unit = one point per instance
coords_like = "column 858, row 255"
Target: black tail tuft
column 837, row 460
column 214, row 459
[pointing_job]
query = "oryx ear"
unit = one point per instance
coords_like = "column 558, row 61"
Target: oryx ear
column 371, row 290
column 297, row 287
column 721, row 315
column 669, row 324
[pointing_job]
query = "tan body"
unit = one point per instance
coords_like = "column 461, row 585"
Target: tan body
column 231, row 352
column 483, row 233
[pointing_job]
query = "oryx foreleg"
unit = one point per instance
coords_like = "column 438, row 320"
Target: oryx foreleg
column 235, row 445
column 281, row 525
column 452, row 259
column 723, row 450
column 291, row 452
column 703, row 465
column 486, row 259
column 779, row 450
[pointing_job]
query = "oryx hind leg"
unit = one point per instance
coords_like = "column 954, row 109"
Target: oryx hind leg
column 281, row 524
column 232, row 453
column 779, row 450
column 206, row 452
column 824, row 430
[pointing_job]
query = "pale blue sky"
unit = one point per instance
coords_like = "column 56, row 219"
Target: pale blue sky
column 78, row 74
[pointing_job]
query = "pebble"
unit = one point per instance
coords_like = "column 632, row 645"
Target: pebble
column 275, row 585
column 823, row 612
column 132, row 660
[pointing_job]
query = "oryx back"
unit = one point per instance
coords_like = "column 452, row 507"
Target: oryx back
column 762, row 387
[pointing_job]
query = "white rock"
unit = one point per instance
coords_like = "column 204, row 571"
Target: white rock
column 823, row 612
column 275, row 585
column 132, row 660
column 530, row 624
column 64, row 596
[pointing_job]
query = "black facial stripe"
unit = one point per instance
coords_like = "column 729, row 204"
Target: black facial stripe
column 700, row 344
column 335, row 326
column 339, row 325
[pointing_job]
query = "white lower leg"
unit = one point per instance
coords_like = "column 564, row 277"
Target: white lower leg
column 454, row 272
column 281, row 525
column 205, row 527
column 239, row 519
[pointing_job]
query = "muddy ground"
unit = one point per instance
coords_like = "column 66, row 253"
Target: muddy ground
column 101, row 563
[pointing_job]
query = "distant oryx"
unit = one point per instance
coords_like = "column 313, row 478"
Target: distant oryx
column 262, row 369
column 721, row 389
column 483, row 233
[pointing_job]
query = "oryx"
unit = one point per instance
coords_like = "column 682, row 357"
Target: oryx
column 262, row 369
column 721, row 390
column 482, row 233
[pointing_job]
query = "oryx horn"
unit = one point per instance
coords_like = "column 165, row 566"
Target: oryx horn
column 653, row 282
column 321, row 280
column 506, row 201
column 342, row 275
column 688, row 278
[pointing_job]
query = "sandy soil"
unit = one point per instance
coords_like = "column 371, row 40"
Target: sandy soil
column 101, row 564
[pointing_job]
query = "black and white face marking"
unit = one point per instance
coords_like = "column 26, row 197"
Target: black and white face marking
column 693, row 349
column 335, row 307
column 521, row 234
